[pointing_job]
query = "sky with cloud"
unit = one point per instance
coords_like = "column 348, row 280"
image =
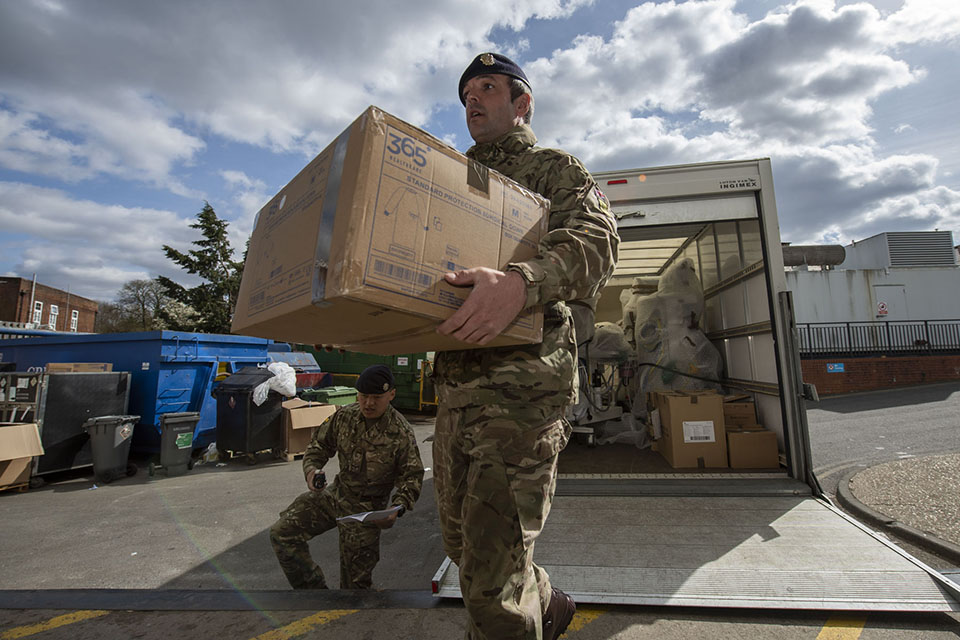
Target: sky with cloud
column 119, row 119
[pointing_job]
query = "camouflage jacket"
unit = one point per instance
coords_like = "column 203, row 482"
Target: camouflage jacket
column 574, row 260
column 373, row 459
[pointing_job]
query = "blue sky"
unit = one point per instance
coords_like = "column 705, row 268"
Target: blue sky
column 118, row 119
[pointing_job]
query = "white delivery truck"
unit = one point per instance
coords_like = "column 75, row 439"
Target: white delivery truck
column 628, row 528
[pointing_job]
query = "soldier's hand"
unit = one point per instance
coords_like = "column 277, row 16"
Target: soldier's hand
column 385, row 523
column 311, row 476
column 495, row 301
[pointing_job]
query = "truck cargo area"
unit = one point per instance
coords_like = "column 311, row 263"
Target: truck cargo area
column 627, row 526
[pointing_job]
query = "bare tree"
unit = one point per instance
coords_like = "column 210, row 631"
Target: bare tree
column 141, row 301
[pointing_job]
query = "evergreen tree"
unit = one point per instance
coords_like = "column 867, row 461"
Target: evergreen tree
column 214, row 299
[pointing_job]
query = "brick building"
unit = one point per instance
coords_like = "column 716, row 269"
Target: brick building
column 51, row 308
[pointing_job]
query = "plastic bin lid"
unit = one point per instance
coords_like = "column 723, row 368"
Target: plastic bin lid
column 180, row 416
column 247, row 379
column 110, row 420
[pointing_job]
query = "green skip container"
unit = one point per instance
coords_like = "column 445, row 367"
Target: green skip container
column 330, row 395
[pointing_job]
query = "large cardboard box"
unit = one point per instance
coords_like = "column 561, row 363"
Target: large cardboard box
column 19, row 443
column 300, row 418
column 753, row 449
column 352, row 252
column 78, row 367
column 692, row 427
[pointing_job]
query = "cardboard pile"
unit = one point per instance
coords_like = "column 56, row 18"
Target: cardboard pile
column 19, row 443
column 691, row 428
column 78, row 367
column 749, row 445
column 300, row 418
column 739, row 411
column 753, row 449
column 352, row 251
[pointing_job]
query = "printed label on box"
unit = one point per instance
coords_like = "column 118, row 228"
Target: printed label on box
column 699, row 431
column 412, row 242
column 410, row 207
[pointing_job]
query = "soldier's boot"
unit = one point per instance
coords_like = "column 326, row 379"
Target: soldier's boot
column 558, row 615
column 314, row 581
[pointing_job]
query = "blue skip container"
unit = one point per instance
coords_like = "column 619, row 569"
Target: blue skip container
column 171, row 371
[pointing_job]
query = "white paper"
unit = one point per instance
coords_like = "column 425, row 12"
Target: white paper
column 698, row 431
column 370, row 515
column 655, row 422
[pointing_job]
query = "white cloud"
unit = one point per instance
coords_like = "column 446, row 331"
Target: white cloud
column 241, row 180
column 145, row 92
column 690, row 82
column 923, row 21
column 249, row 196
column 104, row 245
column 125, row 89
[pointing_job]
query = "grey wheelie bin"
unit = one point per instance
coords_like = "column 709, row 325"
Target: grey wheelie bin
column 176, row 442
column 110, row 446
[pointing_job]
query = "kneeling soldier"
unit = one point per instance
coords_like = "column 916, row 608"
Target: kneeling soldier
column 377, row 451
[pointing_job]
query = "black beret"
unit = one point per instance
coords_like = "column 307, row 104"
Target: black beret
column 376, row 378
column 488, row 63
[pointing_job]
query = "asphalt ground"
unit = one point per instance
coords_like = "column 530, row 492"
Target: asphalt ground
column 917, row 499
column 891, row 459
column 189, row 557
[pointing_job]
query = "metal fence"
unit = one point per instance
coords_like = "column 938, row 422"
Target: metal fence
column 895, row 337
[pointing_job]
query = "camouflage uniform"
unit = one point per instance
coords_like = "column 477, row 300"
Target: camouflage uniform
column 500, row 423
column 373, row 460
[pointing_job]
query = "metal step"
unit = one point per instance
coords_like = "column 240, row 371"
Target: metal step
column 784, row 552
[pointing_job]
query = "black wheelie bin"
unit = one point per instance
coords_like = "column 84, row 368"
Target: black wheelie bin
column 242, row 426
column 110, row 446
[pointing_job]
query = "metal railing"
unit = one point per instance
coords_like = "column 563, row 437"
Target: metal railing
column 894, row 337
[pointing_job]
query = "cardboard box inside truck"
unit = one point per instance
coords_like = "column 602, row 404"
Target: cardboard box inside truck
column 353, row 250
column 739, row 411
column 753, row 449
column 693, row 433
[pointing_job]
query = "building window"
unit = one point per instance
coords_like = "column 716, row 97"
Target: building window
column 37, row 312
column 74, row 319
column 52, row 318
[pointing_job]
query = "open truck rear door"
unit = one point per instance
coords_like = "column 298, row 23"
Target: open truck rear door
column 626, row 528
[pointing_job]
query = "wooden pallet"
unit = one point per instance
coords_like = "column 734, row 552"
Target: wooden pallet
column 19, row 488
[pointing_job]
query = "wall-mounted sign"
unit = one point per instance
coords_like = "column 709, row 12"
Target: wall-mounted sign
column 834, row 367
column 881, row 308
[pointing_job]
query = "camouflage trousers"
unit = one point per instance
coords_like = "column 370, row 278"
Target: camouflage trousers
column 495, row 472
column 313, row 513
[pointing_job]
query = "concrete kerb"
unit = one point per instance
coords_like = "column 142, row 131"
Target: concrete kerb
column 935, row 545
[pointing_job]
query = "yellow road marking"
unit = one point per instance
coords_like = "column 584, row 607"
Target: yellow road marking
column 842, row 628
column 583, row 617
column 302, row 626
column 52, row 623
